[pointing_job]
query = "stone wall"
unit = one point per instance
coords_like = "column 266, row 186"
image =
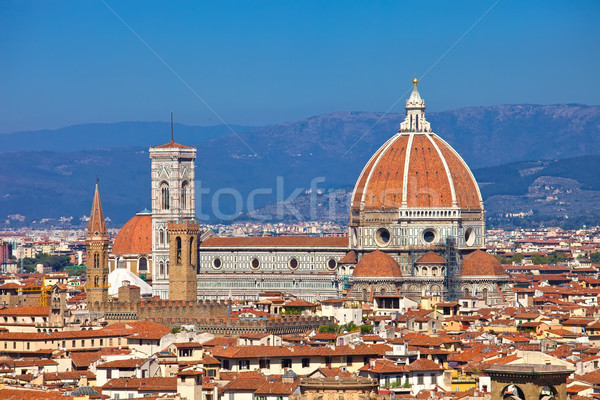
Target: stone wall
column 277, row 326
column 156, row 310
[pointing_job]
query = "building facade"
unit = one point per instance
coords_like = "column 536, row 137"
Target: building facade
column 173, row 199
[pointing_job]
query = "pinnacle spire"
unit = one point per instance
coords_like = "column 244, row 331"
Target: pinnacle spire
column 96, row 226
column 415, row 112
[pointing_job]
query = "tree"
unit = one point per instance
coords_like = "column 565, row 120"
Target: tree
column 366, row 328
column 517, row 258
column 329, row 328
column 595, row 257
column 349, row 327
column 57, row 263
column 538, row 259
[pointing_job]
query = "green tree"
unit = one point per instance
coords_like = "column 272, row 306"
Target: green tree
column 595, row 257
column 517, row 257
column 538, row 259
column 57, row 263
column 349, row 327
column 366, row 329
column 329, row 328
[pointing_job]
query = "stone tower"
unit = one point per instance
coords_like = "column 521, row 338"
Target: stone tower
column 172, row 200
column 96, row 245
column 183, row 256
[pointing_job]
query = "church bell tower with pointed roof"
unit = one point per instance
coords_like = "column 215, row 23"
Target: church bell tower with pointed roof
column 96, row 245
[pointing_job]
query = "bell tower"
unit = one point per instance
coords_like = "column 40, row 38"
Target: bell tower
column 183, row 257
column 172, row 200
column 96, row 245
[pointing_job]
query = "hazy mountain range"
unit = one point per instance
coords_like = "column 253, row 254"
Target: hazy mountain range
column 59, row 180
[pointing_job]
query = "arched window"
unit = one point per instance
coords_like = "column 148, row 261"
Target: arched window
column 434, row 271
column 192, row 262
column 96, row 260
column 178, row 247
column 485, row 295
column 184, row 195
column 161, row 237
column 143, row 264
column 96, row 281
column 161, row 268
column 167, row 271
column 466, row 292
column 164, row 196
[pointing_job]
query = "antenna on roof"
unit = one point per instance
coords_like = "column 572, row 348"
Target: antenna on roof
column 171, row 126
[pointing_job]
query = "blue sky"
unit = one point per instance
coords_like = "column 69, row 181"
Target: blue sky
column 259, row 62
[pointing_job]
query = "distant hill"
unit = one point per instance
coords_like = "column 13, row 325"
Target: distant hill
column 111, row 135
column 335, row 147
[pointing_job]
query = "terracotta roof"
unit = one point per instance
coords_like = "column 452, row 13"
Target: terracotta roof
column 276, row 387
column 172, row 145
column 349, row 258
column 276, row 241
column 424, row 364
column 155, row 384
column 135, row 237
column 34, row 311
column 431, row 258
column 480, row 263
column 298, row 303
column 332, row 301
column 377, row 264
column 22, row 394
column 127, row 363
column 430, row 173
column 68, row 375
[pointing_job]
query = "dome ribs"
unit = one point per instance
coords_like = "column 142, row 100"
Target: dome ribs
column 425, row 189
column 467, row 192
column 385, row 178
column 364, row 176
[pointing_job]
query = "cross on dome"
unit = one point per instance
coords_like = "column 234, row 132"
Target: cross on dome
column 415, row 112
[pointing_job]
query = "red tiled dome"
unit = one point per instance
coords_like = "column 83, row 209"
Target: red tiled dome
column 424, row 172
column 375, row 264
column 480, row 263
column 431, row 258
column 135, row 237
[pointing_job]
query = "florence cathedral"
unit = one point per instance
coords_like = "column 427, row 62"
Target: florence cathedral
column 416, row 228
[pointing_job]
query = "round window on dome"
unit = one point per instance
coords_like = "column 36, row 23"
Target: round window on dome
column 382, row 237
column 429, row 236
column 293, row 263
column 254, row 263
column 469, row 237
column 331, row 264
column 217, row 263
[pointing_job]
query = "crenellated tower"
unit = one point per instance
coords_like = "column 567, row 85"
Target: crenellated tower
column 183, row 257
column 96, row 245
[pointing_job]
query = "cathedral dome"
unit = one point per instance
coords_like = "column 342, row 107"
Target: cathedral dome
column 135, row 237
column 431, row 258
column 416, row 168
column 481, row 263
column 377, row 264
